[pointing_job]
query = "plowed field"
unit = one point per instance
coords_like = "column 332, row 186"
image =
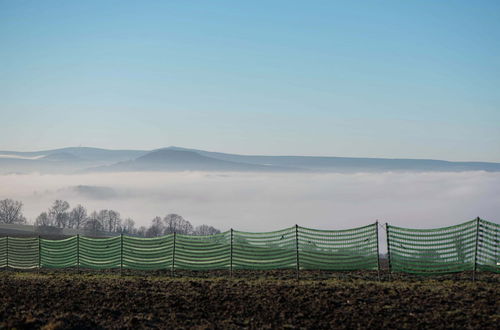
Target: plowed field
column 63, row 300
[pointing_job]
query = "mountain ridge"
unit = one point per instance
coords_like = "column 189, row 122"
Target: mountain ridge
column 87, row 159
column 329, row 161
column 181, row 160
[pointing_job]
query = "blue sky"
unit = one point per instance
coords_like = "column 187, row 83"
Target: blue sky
column 413, row 79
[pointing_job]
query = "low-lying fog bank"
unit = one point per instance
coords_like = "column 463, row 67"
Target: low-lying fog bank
column 263, row 202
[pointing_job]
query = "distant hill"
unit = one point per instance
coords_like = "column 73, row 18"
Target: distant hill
column 181, row 160
column 64, row 160
column 351, row 164
column 61, row 157
column 84, row 153
column 83, row 159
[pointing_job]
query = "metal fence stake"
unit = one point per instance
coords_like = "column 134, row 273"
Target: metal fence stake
column 496, row 248
column 297, row 249
column 378, row 251
column 388, row 249
column 39, row 254
column 475, row 251
column 121, row 254
column 231, row 256
column 7, row 252
column 173, row 257
column 78, row 253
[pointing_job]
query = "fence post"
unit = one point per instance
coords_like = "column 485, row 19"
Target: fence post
column 297, row 248
column 496, row 248
column 7, row 251
column 231, row 256
column 121, row 254
column 173, row 257
column 378, row 251
column 388, row 249
column 39, row 254
column 78, row 253
column 475, row 250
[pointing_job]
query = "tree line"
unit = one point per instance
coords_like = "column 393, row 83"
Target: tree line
column 61, row 215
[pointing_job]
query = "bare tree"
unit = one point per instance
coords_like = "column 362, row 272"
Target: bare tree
column 11, row 212
column 43, row 220
column 114, row 221
column 141, row 231
column 205, row 230
column 93, row 223
column 128, row 226
column 110, row 220
column 77, row 217
column 102, row 217
column 157, row 228
column 59, row 213
column 175, row 223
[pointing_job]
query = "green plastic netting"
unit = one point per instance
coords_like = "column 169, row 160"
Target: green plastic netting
column 22, row 253
column 468, row 246
column 148, row 253
column 100, row 253
column 60, row 253
column 350, row 249
column 202, row 252
column 270, row 250
column 488, row 258
column 432, row 251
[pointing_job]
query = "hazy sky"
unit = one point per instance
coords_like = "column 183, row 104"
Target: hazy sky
column 416, row 79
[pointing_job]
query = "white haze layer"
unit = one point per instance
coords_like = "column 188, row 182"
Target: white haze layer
column 21, row 157
column 263, row 202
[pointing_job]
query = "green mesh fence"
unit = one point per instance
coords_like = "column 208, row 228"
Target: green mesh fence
column 202, row 252
column 472, row 245
column 3, row 252
column 22, row 253
column 148, row 253
column 270, row 250
column 60, row 253
column 100, row 253
column 488, row 258
column 432, row 251
column 350, row 249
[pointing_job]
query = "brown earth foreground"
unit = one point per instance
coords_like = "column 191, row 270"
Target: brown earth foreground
column 93, row 301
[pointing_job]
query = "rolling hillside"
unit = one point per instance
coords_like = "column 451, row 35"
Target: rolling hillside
column 79, row 159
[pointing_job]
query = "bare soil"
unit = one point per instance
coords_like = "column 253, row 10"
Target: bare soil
column 90, row 300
